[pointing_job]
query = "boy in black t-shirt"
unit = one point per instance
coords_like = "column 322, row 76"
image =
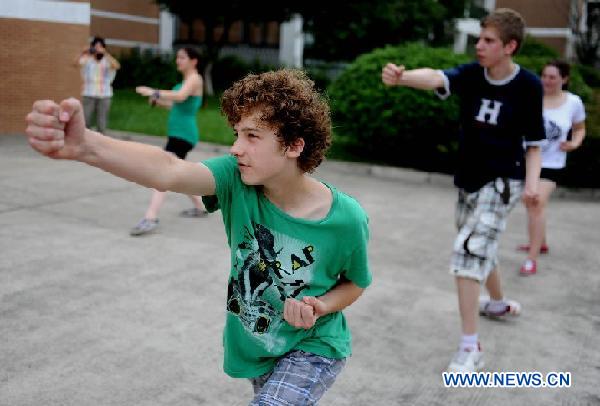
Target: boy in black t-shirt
column 500, row 109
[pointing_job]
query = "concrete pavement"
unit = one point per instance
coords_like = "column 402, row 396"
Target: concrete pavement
column 91, row 316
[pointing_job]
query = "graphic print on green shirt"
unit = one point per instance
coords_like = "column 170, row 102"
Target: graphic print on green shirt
column 263, row 282
column 275, row 256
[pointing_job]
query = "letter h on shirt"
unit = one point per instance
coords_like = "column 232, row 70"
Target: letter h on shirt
column 489, row 109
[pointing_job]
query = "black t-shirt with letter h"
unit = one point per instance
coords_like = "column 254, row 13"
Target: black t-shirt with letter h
column 497, row 118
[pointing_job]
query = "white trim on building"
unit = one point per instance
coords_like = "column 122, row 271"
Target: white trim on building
column 550, row 32
column 130, row 44
column 166, row 31
column 50, row 11
column 466, row 27
column 291, row 42
column 126, row 17
column 489, row 5
column 565, row 33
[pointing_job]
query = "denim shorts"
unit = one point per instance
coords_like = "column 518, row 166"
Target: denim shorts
column 299, row 378
column 480, row 218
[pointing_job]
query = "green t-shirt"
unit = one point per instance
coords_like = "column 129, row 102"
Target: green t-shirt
column 274, row 256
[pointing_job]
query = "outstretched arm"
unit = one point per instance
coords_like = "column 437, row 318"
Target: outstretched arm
column 423, row 78
column 58, row 131
column 304, row 314
column 188, row 88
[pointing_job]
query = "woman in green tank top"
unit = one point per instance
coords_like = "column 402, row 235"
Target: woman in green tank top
column 183, row 100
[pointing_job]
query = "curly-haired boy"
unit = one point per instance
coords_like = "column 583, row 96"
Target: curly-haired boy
column 298, row 246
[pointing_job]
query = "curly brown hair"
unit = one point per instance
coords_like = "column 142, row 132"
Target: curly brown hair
column 287, row 102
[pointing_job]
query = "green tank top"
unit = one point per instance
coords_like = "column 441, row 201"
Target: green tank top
column 182, row 122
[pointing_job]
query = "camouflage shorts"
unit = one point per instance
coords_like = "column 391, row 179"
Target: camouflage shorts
column 480, row 218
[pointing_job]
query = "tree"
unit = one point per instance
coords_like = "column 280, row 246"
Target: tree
column 343, row 30
column 221, row 14
column 588, row 37
column 584, row 21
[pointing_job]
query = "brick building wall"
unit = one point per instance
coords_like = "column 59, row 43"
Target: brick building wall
column 39, row 45
column 142, row 8
column 548, row 22
column 540, row 13
column 113, row 29
column 127, row 24
column 41, row 39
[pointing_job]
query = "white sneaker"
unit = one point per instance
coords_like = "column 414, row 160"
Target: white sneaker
column 467, row 360
column 512, row 308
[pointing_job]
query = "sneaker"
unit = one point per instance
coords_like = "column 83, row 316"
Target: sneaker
column 528, row 268
column 525, row 248
column 512, row 308
column 144, row 227
column 193, row 212
column 469, row 360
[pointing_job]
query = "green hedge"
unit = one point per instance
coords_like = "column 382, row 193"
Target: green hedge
column 158, row 70
column 576, row 83
column 399, row 126
column 533, row 47
column 413, row 128
column 583, row 165
column 590, row 75
column 228, row 69
column 146, row 68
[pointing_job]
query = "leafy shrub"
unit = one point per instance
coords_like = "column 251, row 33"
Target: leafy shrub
column 413, row 128
column 319, row 76
column 535, row 48
column 227, row 70
column 399, row 126
column 230, row 68
column 583, row 165
column 146, row 68
column 576, row 83
column 159, row 70
column 590, row 75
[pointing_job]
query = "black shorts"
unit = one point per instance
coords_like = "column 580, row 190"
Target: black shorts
column 178, row 147
column 554, row 175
